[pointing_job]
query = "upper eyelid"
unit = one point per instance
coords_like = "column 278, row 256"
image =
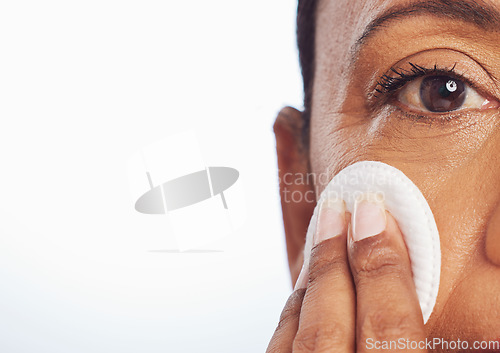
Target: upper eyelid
column 388, row 84
column 468, row 68
column 472, row 68
column 379, row 98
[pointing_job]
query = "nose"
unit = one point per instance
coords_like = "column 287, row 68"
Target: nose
column 493, row 237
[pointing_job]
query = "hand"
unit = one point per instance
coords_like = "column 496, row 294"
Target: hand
column 358, row 294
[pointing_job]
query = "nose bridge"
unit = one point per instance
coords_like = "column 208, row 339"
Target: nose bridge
column 492, row 243
column 490, row 179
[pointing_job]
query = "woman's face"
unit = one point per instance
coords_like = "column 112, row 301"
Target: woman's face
column 419, row 89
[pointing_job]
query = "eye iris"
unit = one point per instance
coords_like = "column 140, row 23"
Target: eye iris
column 442, row 93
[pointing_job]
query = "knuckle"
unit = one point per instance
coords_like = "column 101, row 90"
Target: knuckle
column 378, row 325
column 291, row 311
column 322, row 265
column 320, row 339
column 378, row 262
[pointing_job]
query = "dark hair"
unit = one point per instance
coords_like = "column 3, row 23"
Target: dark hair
column 306, row 23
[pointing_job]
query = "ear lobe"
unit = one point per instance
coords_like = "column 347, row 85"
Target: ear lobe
column 296, row 185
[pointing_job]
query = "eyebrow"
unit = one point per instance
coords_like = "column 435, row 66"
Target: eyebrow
column 479, row 13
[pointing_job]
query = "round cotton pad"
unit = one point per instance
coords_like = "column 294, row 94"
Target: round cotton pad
column 410, row 209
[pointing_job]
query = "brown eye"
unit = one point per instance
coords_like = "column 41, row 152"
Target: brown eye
column 442, row 93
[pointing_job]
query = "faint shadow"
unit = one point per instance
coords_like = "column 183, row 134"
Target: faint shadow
column 186, row 252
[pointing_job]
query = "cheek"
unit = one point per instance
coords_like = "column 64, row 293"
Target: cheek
column 456, row 168
column 433, row 155
column 339, row 140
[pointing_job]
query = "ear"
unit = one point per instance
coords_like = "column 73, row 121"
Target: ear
column 296, row 187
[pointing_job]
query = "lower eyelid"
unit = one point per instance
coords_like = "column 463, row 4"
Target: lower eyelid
column 448, row 120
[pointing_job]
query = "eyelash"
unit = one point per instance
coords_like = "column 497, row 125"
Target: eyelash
column 386, row 85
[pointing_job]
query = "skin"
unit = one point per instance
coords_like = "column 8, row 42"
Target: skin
column 453, row 158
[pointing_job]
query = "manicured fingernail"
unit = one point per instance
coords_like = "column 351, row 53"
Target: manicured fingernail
column 302, row 279
column 368, row 217
column 331, row 220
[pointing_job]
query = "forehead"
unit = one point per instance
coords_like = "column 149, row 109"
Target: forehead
column 342, row 25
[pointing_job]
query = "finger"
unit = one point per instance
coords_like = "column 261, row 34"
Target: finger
column 388, row 311
column 328, row 309
column 282, row 340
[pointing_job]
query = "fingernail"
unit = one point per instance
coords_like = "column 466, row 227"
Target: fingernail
column 331, row 220
column 302, row 279
column 368, row 217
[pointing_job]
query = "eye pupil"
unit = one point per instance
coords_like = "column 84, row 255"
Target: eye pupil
column 442, row 93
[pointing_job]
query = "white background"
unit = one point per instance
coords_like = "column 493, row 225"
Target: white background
column 83, row 86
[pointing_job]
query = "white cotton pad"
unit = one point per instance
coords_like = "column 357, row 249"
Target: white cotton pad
column 410, row 209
